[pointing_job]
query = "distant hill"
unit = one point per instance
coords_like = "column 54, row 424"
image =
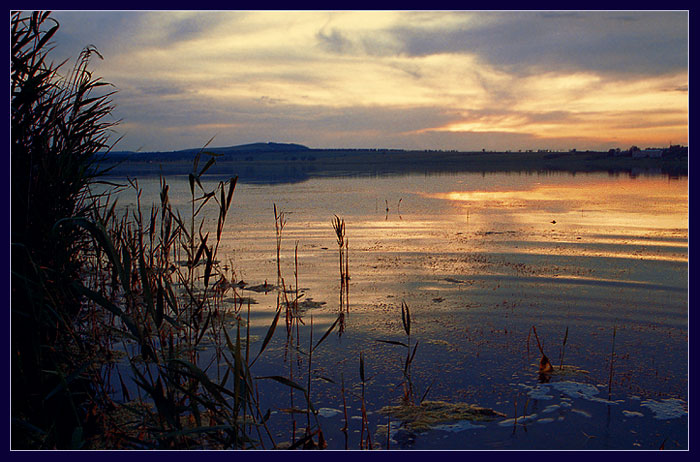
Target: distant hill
column 187, row 154
column 267, row 147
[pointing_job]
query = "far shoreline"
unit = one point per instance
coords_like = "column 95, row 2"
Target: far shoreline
column 300, row 164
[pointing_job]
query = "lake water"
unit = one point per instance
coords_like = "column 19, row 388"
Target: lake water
column 480, row 260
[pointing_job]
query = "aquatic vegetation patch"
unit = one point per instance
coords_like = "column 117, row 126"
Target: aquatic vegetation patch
column 429, row 414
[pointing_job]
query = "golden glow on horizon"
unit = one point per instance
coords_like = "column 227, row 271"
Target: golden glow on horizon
column 288, row 57
column 606, row 203
column 655, row 190
column 650, row 110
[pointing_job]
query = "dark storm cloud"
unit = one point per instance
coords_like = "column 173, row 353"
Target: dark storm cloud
column 109, row 31
column 529, row 42
column 113, row 32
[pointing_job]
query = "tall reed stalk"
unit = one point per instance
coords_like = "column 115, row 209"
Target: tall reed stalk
column 339, row 227
column 344, row 270
column 59, row 126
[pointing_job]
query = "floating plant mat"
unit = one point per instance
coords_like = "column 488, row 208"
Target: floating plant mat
column 431, row 413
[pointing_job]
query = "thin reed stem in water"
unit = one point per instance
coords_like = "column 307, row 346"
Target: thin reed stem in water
column 563, row 346
column 612, row 362
column 345, row 410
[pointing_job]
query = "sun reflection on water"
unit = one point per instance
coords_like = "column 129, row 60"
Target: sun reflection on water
column 614, row 205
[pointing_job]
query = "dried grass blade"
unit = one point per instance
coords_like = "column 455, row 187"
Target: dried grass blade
column 392, row 342
column 268, row 336
column 284, row 381
column 232, row 186
column 330, row 329
column 206, row 167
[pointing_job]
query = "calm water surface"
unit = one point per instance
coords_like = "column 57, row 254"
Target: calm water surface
column 479, row 259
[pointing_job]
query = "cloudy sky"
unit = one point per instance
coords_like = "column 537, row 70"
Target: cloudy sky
column 467, row 80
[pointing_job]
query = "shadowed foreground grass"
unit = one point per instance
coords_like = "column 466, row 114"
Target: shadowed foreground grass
column 92, row 288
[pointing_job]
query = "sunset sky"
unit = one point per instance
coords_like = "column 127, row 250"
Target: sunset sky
column 467, row 80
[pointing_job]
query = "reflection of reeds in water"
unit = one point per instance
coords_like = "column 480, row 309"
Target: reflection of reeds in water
column 563, row 347
column 408, row 397
column 365, row 434
column 345, row 410
column 398, row 209
column 347, row 261
column 344, row 269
